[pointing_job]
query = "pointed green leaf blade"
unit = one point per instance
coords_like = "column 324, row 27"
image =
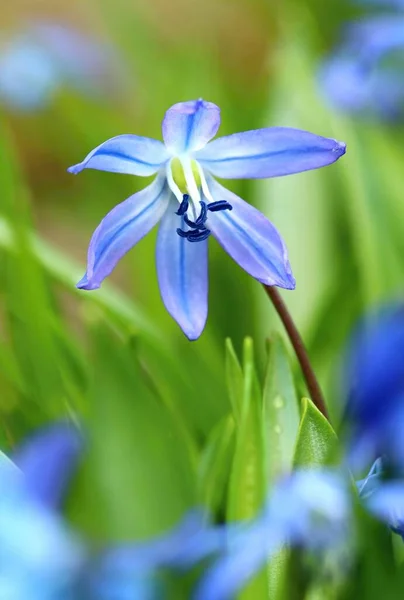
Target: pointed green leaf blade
column 281, row 411
column 234, row 379
column 215, row 464
column 247, row 487
column 317, row 441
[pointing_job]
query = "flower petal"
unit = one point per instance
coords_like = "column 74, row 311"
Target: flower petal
column 188, row 126
column 48, row 460
column 129, row 154
column 182, row 269
column 250, row 239
column 387, row 503
column 121, row 229
column 370, row 38
column 271, row 152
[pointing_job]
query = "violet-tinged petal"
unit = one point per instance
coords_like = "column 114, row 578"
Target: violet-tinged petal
column 381, row 3
column 356, row 85
column 373, row 37
column 387, row 503
column 367, row 486
column 234, row 569
column 308, row 509
column 121, row 229
column 48, row 461
column 128, row 154
column 188, row 126
column 271, row 152
column 250, row 239
column 182, row 269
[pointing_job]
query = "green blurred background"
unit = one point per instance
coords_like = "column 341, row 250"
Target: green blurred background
column 155, row 406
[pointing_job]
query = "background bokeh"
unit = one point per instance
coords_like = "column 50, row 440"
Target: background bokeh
column 112, row 359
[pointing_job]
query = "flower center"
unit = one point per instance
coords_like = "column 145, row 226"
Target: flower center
column 178, row 174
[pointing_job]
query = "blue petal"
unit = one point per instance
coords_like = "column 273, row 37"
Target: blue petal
column 188, row 126
column 387, row 503
column 354, row 85
column 121, row 229
column 250, row 239
column 381, row 3
column 129, row 154
column 367, row 486
column 48, row 460
column 28, row 76
column 171, row 549
column 307, row 509
column 375, row 36
column 268, row 153
column 182, row 269
column 233, row 570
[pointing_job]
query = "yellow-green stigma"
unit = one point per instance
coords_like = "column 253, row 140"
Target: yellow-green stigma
column 177, row 171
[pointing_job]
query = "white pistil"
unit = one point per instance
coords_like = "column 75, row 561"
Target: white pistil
column 172, row 185
column 204, row 184
column 192, row 186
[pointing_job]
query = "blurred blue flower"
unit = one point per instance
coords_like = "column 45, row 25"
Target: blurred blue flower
column 191, row 204
column 35, row 63
column 384, row 497
column 365, row 75
column 309, row 509
column 134, row 570
column 39, row 558
column 373, row 378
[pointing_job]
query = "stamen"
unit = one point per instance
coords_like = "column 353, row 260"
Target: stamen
column 204, row 184
column 198, row 230
column 198, row 236
column 193, row 224
column 171, row 183
column 203, row 216
column 192, row 184
column 183, row 234
column 219, row 205
column 183, row 206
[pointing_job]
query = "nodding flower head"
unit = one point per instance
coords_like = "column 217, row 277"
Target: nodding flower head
column 192, row 205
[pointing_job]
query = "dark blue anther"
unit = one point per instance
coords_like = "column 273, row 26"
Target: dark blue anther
column 193, row 224
column 183, row 234
column 183, row 206
column 198, row 236
column 203, row 216
column 219, row 205
column 198, row 230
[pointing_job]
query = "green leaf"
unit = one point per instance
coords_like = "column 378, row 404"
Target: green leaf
column 281, row 411
column 247, row 486
column 234, row 379
column 317, row 441
column 142, row 476
column 215, row 464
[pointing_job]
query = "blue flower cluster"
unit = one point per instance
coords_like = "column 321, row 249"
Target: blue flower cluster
column 41, row 558
column 364, row 76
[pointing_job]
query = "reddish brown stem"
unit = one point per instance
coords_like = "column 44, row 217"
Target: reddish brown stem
column 299, row 348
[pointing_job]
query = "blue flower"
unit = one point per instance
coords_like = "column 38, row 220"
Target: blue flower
column 191, row 204
column 136, row 567
column 309, row 509
column 40, row 558
column 37, row 62
column 365, row 75
column 374, row 382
